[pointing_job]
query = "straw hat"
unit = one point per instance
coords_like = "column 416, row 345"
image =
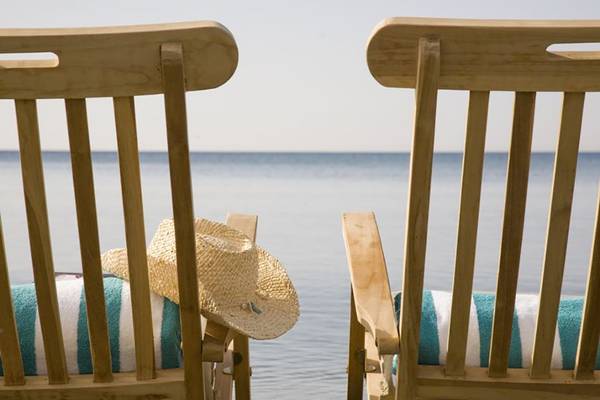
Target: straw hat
column 239, row 284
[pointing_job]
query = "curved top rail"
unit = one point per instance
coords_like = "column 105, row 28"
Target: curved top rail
column 488, row 54
column 113, row 61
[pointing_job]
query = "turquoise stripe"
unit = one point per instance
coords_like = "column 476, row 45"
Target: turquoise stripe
column 598, row 358
column 25, row 304
column 515, row 355
column 429, row 342
column 170, row 336
column 25, row 307
column 84, row 356
column 569, row 322
column 112, row 294
column 484, row 304
column 112, row 291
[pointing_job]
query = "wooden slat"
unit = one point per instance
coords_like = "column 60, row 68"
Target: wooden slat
column 488, row 55
column 241, row 345
column 370, row 283
column 356, row 354
column 125, row 386
column 131, row 189
column 39, row 239
column 512, row 231
column 590, row 327
column 183, row 213
column 476, row 384
column 428, row 69
column 559, row 218
column 432, row 385
column 89, row 243
column 10, row 352
column 467, row 232
column 223, row 385
column 114, row 61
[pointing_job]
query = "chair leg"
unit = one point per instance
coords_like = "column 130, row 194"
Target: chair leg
column 378, row 372
column 241, row 367
column 223, row 388
column 356, row 355
column 208, row 374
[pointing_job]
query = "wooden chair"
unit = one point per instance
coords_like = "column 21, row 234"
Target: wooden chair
column 478, row 56
column 120, row 63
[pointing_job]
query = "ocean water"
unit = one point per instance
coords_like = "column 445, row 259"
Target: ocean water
column 299, row 199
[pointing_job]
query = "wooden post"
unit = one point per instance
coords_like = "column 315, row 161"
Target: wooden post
column 428, row 71
column 356, row 355
column 89, row 243
column 512, row 232
column 183, row 212
column 590, row 325
column 559, row 218
column 135, row 236
column 10, row 350
column 467, row 232
column 39, row 240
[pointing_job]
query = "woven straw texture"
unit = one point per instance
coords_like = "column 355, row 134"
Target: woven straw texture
column 240, row 285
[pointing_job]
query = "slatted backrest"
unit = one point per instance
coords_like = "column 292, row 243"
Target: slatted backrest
column 483, row 56
column 120, row 63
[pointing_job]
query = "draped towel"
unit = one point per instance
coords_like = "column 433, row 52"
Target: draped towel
column 435, row 323
column 73, row 316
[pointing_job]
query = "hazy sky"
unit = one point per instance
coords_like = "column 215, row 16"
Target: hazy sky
column 302, row 82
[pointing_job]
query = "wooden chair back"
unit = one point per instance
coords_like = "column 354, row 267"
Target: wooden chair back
column 120, row 63
column 484, row 56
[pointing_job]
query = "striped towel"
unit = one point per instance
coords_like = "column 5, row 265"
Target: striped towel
column 435, row 322
column 73, row 316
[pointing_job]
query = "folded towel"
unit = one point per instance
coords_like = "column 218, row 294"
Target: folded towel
column 73, row 316
column 435, row 323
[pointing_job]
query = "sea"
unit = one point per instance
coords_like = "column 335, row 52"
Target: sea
column 300, row 198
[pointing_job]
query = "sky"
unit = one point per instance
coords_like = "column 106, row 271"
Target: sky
column 302, row 82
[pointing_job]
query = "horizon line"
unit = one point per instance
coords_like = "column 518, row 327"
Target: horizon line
column 301, row 152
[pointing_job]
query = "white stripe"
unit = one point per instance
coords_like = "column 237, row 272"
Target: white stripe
column 157, row 304
column 40, row 354
column 126, row 339
column 473, row 356
column 526, row 307
column 442, row 301
column 557, row 361
column 69, row 299
column 66, row 292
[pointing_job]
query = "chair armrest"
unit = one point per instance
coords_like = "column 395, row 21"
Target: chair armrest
column 370, row 285
column 244, row 223
column 241, row 345
column 217, row 337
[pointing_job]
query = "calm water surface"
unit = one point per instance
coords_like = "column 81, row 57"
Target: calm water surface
column 300, row 198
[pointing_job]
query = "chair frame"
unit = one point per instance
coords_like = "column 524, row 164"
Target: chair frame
column 121, row 63
column 479, row 56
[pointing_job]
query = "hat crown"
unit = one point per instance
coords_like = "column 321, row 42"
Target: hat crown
column 240, row 285
column 220, row 252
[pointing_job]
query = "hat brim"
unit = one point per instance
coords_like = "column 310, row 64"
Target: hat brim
column 274, row 308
